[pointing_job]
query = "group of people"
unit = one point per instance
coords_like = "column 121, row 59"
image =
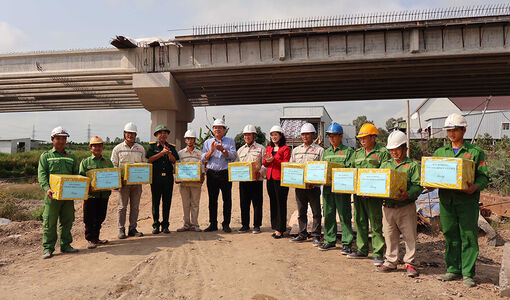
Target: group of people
column 386, row 219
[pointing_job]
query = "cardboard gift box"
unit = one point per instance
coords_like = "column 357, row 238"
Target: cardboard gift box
column 384, row 183
column 138, row 173
column 104, row 179
column 69, row 187
column 293, row 175
column 447, row 172
column 344, row 180
column 188, row 172
column 319, row 172
column 243, row 171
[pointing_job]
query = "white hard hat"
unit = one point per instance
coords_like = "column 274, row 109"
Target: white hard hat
column 219, row 122
column 276, row 128
column 396, row 139
column 249, row 129
column 190, row 134
column 454, row 120
column 130, row 127
column 59, row 131
column 307, row 128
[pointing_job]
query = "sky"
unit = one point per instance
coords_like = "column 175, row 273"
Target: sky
column 35, row 25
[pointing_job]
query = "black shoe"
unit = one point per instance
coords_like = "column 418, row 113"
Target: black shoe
column 243, row 229
column 47, row 254
column 166, row 230
column 155, row 230
column 299, row 239
column 346, row 250
column 256, row 230
column 227, row 229
column 69, row 250
column 316, row 241
column 357, row 254
column 134, row 232
column 325, row 247
column 211, row 228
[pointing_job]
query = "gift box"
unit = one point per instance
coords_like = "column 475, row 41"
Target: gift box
column 242, row 171
column 104, row 179
column 344, row 180
column 187, row 172
column 69, row 187
column 384, row 183
column 447, row 172
column 319, row 172
column 293, row 175
column 138, row 173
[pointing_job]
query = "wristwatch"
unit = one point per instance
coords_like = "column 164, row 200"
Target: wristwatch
column 224, row 151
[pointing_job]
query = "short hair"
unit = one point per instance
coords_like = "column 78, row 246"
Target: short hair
column 281, row 142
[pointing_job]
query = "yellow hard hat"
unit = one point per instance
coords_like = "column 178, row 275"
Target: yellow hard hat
column 367, row 129
column 95, row 140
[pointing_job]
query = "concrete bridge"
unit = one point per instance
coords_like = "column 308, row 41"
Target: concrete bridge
column 436, row 53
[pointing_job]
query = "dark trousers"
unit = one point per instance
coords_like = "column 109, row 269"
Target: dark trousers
column 94, row 214
column 278, row 204
column 216, row 181
column 161, row 189
column 312, row 197
column 251, row 193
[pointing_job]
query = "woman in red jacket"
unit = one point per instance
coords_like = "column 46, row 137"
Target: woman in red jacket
column 276, row 153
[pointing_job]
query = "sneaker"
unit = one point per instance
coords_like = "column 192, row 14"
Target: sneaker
column 378, row 261
column 256, row 230
column 211, row 228
column 227, row 229
column 243, row 229
column 102, row 242
column 346, row 250
column 155, row 230
column 298, row 239
column 357, row 254
column 316, row 241
column 91, row 245
column 69, row 250
column 47, row 255
column 325, row 247
column 196, row 229
column 182, row 229
column 134, row 232
column 449, row 277
column 411, row 271
column 468, row 282
column 166, row 230
column 122, row 234
column 384, row 268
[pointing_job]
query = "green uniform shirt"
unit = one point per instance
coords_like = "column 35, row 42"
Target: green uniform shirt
column 413, row 171
column 372, row 160
column 162, row 164
column 341, row 155
column 471, row 152
column 53, row 162
column 91, row 163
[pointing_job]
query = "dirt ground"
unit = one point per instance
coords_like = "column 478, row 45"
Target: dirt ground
column 217, row 265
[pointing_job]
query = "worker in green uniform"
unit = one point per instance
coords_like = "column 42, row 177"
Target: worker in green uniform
column 459, row 208
column 399, row 214
column 333, row 202
column 95, row 207
column 57, row 161
column 162, row 155
column 366, row 209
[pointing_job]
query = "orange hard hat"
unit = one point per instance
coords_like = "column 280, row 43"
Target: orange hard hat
column 367, row 129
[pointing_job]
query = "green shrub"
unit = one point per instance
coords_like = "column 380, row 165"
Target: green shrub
column 499, row 172
column 36, row 214
column 10, row 210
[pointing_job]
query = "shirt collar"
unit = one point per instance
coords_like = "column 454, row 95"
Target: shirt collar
column 55, row 150
column 95, row 158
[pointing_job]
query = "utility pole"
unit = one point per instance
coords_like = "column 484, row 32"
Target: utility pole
column 33, row 131
column 88, row 132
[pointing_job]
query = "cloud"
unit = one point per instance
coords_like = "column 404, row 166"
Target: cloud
column 11, row 38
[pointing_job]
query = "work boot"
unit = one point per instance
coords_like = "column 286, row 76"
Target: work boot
column 91, row 245
column 346, row 250
column 227, row 229
column 327, row 246
column 468, row 282
column 134, row 232
column 211, row 228
column 47, row 254
column 166, row 230
column 449, row 277
column 155, row 230
column 411, row 271
column 385, row 269
column 243, row 229
column 122, row 234
column 69, row 250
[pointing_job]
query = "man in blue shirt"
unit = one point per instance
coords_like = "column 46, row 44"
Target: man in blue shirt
column 217, row 152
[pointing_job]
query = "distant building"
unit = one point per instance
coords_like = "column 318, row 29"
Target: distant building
column 12, row 146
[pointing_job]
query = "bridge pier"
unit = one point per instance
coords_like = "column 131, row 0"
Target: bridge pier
column 161, row 95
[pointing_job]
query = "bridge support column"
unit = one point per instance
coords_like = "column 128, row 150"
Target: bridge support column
column 161, row 95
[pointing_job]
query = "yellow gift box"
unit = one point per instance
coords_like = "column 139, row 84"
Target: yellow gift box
column 319, row 172
column 104, row 179
column 447, row 172
column 243, row 171
column 384, row 183
column 185, row 172
column 293, row 175
column 69, row 187
column 137, row 173
column 344, row 180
